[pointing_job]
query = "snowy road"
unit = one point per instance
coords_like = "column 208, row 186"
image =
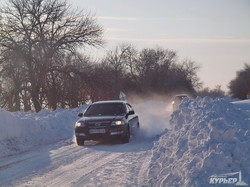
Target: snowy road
column 66, row 164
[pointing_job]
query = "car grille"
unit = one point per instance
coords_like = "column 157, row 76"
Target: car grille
column 97, row 123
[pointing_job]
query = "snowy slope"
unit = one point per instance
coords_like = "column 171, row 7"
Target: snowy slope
column 207, row 137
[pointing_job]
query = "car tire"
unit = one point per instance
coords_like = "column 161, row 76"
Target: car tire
column 126, row 138
column 80, row 141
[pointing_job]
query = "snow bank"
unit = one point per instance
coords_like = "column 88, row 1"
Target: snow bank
column 244, row 104
column 207, row 137
column 22, row 131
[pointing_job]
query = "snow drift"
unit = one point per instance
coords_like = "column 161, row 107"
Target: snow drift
column 207, row 137
column 22, row 131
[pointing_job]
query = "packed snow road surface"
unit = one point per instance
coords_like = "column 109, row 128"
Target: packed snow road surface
column 66, row 164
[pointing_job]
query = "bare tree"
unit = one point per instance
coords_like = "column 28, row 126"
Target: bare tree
column 13, row 79
column 119, row 60
column 37, row 30
column 153, row 67
column 240, row 86
column 189, row 71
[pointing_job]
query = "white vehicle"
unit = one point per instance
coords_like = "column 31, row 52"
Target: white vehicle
column 178, row 99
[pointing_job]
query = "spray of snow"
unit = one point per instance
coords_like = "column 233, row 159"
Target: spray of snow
column 154, row 114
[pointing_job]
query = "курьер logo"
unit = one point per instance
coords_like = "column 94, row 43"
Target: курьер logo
column 228, row 178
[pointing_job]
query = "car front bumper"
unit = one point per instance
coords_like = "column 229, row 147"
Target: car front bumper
column 98, row 133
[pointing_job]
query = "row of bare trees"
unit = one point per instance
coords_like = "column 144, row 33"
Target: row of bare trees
column 149, row 70
column 40, row 66
column 76, row 78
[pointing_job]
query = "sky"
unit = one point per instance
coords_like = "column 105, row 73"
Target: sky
column 213, row 33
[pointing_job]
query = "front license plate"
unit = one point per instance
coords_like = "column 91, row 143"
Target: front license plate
column 96, row 131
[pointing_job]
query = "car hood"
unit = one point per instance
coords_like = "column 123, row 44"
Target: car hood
column 101, row 118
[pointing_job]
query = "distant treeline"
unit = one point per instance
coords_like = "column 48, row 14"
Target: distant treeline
column 74, row 79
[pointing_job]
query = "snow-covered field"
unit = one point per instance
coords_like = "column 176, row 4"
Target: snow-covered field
column 204, row 137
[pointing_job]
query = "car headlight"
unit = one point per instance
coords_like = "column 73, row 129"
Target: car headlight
column 79, row 124
column 117, row 122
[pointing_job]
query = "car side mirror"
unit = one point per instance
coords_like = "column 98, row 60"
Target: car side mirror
column 130, row 113
column 80, row 115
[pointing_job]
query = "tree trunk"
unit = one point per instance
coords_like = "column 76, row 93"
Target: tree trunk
column 17, row 102
column 37, row 104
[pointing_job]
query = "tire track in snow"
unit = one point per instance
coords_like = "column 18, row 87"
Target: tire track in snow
column 97, row 165
column 143, row 172
column 72, row 165
column 31, row 164
column 9, row 163
column 129, row 169
column 69, row 174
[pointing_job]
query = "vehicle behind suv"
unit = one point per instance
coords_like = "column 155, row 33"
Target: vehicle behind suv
column 106, row 120
column 177, row 100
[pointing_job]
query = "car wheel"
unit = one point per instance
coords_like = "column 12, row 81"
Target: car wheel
column 79, row 141
column 126, row 138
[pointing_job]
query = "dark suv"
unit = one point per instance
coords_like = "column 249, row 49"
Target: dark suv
column 106, row 119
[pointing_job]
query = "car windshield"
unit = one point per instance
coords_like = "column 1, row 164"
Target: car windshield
column 106, row 109
column 180, row 97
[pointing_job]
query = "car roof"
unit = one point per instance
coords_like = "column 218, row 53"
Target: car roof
column 110, row 101
column 181, row 95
